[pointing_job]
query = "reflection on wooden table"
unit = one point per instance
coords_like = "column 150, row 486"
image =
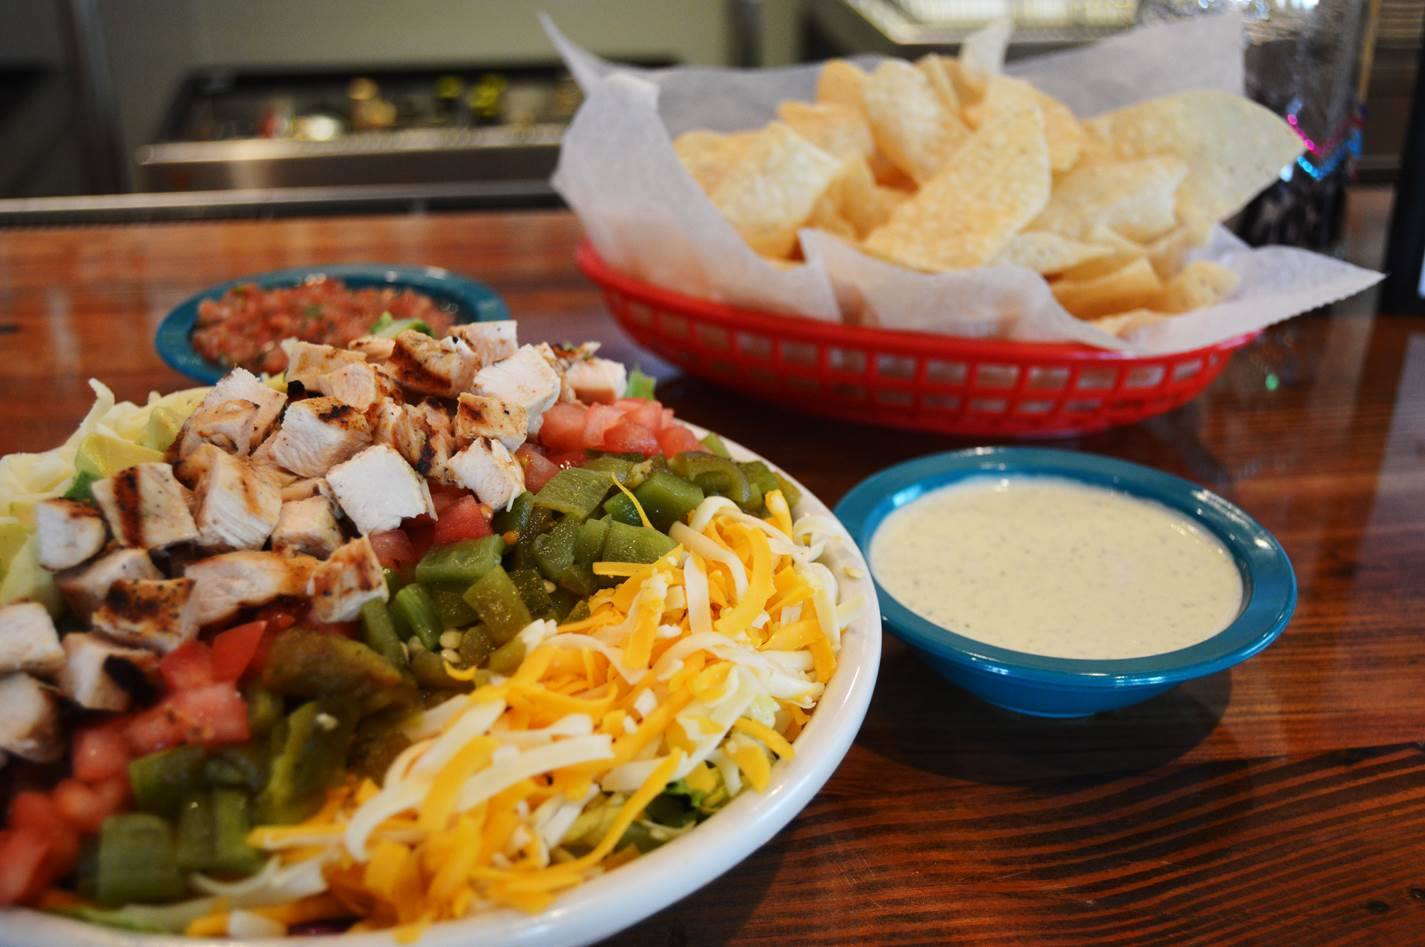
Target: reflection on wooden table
column 1284, row 800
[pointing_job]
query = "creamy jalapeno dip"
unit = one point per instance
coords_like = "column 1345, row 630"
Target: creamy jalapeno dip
column 1054, row 567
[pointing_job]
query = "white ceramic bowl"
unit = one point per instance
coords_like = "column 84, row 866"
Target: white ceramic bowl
column 648, row 884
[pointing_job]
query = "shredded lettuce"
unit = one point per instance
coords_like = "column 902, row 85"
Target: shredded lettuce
column 640, row 385
column 80, row 487
column 144, row 918
column 26, row 479
column 388, row 327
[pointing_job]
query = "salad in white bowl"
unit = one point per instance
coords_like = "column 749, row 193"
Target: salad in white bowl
column 427, row 629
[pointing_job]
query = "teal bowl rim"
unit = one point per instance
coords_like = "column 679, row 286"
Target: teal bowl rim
column 1269, row 583
column 472, row 299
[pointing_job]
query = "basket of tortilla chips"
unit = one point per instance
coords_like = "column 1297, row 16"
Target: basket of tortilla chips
column 943, row 246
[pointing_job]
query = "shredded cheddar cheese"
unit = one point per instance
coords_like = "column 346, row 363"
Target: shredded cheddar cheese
column 701, row 667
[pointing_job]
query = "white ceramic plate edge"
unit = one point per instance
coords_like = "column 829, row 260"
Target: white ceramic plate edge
column 641, row 888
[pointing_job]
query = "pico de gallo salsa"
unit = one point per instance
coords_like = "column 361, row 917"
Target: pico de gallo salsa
column 245, row 326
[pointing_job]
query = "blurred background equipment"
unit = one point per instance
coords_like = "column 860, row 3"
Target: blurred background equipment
column 144, row 109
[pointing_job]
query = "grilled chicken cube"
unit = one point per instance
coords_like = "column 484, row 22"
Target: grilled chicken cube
column 29, row 719
column 597, row 379
column 488, row 469
column 491, row 341
column 421, row 433
column 306, row 488
column 101, row 675
column 157, row 614
column 307, row 362
column 68, row 533
column 230, row 425
column 440, row 367
column 525, row 379
column 307, row 527
column 377, row 489
column 361, row 386
column 484, row 416
column 236, row 415
column 146, row 506
column 83, row 589
column 237, row 505
column 346, row 581
column 340, row 373
column 226, row 584
column 559, row 362
column 317, row 433
column 376, row 348
column 28, row 640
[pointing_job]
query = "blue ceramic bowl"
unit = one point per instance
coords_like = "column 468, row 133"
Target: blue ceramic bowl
column 472, row 301
column 1069, row 687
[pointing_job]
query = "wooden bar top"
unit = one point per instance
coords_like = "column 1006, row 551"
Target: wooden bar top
column 1281, row 802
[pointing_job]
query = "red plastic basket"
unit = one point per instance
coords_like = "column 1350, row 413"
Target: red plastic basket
column 915, row 380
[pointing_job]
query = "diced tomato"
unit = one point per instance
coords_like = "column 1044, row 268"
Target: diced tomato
column 394, row 549
column 464, row 519
column 675, row 439
column 211, row 715
column 568, row 458
column 264, row 645
column 80, row 804
column 233, row 650
column 113, row 794
column 41, row 814
column 278, row 618
column 445, row 495
column 563, row 427
column 99, row 753
column 35, row 810
column 642, row 411
column 537, row 468
column 597, row 422
column 153, row 730
column 420, row 530
column 24, row 868
column 630, row 437
column 188, row 666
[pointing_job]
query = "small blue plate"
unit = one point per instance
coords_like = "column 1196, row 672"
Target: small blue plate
column 1070, row 687
column 472, row 301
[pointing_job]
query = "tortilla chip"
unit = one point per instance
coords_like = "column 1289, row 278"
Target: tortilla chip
column 1199, row 285
column 826, row 215
column 1232, row 146
column 835, row 129
column 707, row 156
column 1004, row 95
column 772, row 190
column 1048, row 253
column 968, row 81
column 1115, row 241
column 1116, row 260
column 933, row 67
column 839, row 83
column 859, row 200
column 1122, row 323
column 1134, row 198
column 910, row 125
column 1128, row 288
column 1169, row 252
column 965, row 215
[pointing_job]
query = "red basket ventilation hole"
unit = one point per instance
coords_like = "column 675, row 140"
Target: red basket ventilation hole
column 916, row 380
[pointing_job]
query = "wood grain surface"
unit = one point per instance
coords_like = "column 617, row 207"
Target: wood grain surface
column 1282, row 802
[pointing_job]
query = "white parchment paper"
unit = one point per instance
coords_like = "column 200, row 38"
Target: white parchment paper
column 647, row 217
